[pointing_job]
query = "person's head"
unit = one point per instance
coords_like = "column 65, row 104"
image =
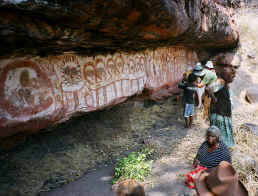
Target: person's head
column 228, row 74
column 191, row 78
column 25, row 78
column 185, row 75
column 213, row 134
column 209, row 65
column 198, row 64
column 187, row 72
column 130, row 188
column 198, row 70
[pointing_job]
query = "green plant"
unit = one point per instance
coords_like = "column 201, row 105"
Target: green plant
column 135, row 166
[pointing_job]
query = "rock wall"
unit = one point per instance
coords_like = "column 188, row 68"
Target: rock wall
column 38, row 92
column 62, row 58
column 48, row 27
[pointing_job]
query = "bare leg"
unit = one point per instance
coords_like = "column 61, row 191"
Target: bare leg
column 200, row 92
column 186, row 122
column 206, row 104
column 190, row 121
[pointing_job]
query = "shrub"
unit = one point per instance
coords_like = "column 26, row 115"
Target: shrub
column 135, row 166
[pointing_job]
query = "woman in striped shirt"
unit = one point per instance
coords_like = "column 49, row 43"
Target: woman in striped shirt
column 213, row 150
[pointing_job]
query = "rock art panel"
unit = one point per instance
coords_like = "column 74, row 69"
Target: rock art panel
column 70, row 74
column 165, row 66
column 38, row 92
column 25, row 90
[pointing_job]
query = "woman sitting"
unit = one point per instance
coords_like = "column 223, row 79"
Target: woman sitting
column 213, row 150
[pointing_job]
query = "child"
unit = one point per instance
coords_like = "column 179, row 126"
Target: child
column 130, row 188
column 188, row 99
column 200, row 91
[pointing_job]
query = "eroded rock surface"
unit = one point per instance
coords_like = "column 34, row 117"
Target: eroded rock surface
column 46, row 27
column 63, row 58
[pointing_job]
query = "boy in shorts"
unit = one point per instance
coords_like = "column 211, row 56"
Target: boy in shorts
column 188, row 99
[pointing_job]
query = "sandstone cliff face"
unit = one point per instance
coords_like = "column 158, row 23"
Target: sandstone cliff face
column 46, row 27
column 36, row 92
column 61, row 58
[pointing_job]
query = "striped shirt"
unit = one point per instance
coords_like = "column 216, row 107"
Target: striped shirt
column 213, row 159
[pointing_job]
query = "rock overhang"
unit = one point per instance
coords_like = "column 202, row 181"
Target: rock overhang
column 47, row 27
column 61, row 58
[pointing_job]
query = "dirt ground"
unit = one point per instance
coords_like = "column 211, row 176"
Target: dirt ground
column 51, row 159
column 176, row 146
column 55, row 158
column 168, row 170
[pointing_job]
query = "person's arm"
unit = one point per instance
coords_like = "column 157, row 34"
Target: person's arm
column 181, row 85
column 196, row 162
column 231, row 98
column 211, row 93
column 209, row 78
column 215, row 87
column 199, row 84
column 192, row 88
column 227, row 155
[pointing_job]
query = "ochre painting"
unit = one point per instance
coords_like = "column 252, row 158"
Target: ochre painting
column 25, row 90
column 57, row 87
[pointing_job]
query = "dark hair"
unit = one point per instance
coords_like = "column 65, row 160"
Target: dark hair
column 191, row 78
column 202, row 77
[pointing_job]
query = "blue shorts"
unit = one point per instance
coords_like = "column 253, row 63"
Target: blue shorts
column 189, row 110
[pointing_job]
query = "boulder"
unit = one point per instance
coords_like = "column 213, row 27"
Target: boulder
column 246, row 162
column 251, row 55
column 227, row 59
column 251, row 127
column 252, row 94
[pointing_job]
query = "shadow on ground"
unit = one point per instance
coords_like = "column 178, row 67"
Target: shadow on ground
column 52, row 159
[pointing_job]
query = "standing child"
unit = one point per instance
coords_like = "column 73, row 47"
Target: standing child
column 188, row 99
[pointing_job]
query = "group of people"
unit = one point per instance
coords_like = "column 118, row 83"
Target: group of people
column 213, row 162
column 204, row 81
column 218, row 179
column 216, row 175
